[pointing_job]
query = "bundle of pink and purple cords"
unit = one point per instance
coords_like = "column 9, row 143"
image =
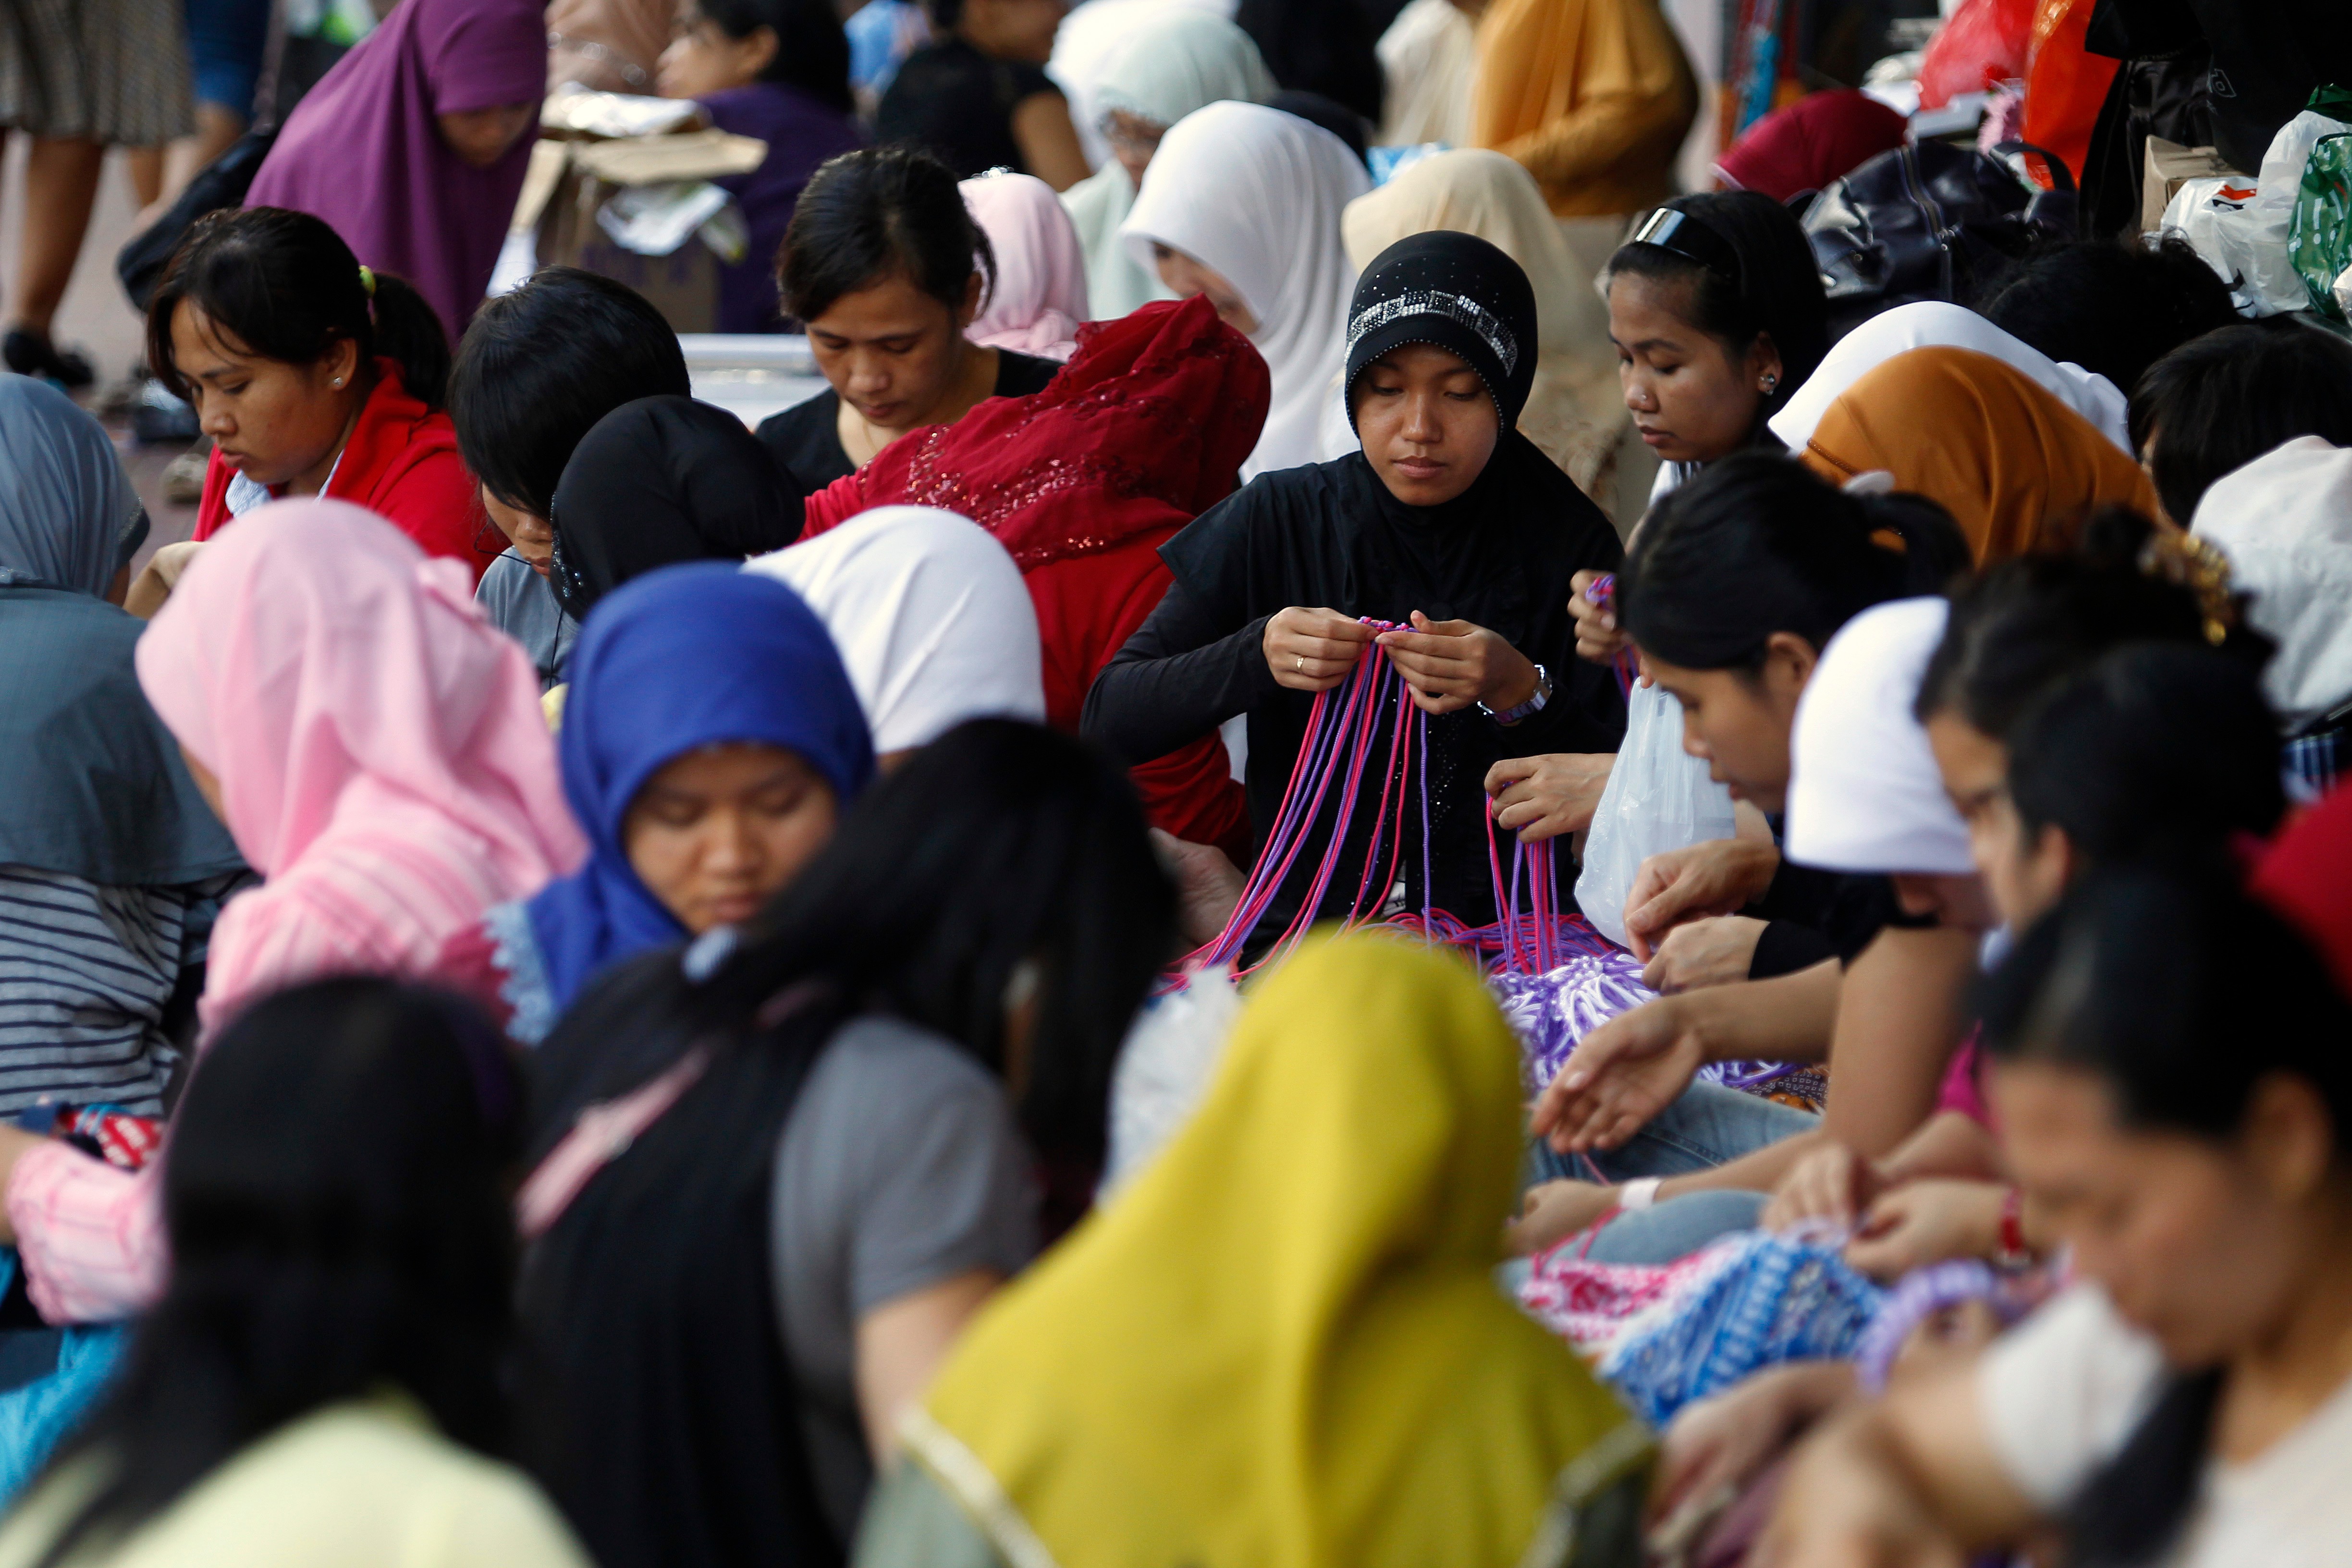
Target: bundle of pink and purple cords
column 1556, row 978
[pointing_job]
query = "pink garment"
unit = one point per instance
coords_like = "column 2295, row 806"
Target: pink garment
column 365, row 149
column 383, row 763
column 1040, row 295
column 1962, row 1091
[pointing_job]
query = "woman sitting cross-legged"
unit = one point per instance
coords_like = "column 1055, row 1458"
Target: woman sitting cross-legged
column 319, row 1382
column 1448, row 523
column 710, row 741
column 838, row 1117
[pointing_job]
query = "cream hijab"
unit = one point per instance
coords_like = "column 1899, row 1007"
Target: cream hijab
column 1256, row 195
column 1577, row 411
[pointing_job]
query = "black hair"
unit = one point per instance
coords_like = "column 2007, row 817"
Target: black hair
column 542, row 364
column 2112, row 308
column 1327, row 114
column 998, row 843
column 1776, row 291
column 880, row 212
column 338, row 1222
column 2134, row 976
column 2020, row 625
column 2218, row 403
column 1755, row 544
column 2157, row 746
column 286, row 287
column 812, row 52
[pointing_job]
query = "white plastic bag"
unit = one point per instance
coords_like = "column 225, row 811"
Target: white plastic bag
column 1659, row 797
column 2241, row 226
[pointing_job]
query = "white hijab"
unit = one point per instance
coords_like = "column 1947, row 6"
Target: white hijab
column 1865, row 795
column 930, row 616
column 1932, row 323
column 1172, row 60
column 1256, row 195
column 2285, row 522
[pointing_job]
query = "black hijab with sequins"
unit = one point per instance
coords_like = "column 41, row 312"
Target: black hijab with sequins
column 1454, row 291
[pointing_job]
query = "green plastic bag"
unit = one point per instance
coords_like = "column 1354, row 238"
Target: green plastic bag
column 2320, row 234
column 2320, row 237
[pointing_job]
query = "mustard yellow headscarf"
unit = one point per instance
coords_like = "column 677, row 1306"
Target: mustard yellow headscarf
column 1593, row 96
column 2016, row 467
column 1283, row 1347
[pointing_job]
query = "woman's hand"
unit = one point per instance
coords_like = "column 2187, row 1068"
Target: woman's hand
column 1312, row 650
column 1450, row 665
column 1722, row 1443
column 1554, row 1211
column 1208, row 884
column 1618, row 1077
column 1832, row 1184
column 1928, row 1221
column 1597, row 636
column 153, row 586
column 1717, row 951
column 1543, row 797
column 1717, row 877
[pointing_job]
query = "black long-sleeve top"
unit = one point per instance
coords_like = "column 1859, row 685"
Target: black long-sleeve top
column 1331, row 536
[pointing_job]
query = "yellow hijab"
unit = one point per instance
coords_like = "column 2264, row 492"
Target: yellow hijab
column 1283, row 1347
column 1576, row 409
column 1593, row 96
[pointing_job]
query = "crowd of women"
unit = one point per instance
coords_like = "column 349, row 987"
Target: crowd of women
column 946, row 981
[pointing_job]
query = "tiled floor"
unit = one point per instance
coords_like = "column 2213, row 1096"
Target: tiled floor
column 97, row 318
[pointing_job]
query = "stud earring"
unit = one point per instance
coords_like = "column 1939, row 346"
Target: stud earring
column 339, row 381
column 1768, row 383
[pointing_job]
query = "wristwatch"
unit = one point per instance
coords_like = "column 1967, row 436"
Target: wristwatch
column 1532, row 706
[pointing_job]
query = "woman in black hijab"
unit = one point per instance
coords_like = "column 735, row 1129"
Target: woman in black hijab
column 1448, row 521
column 660, row 480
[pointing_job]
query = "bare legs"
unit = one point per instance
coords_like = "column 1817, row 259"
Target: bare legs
column 60, row 186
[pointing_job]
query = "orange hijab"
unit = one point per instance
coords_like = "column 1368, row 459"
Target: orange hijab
column 1593, row 96
column 2016, row 467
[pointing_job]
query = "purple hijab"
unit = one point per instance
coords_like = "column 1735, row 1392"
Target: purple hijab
column 364, row 153
column 800, row 134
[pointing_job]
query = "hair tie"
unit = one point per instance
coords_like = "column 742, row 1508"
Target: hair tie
column 367, row 281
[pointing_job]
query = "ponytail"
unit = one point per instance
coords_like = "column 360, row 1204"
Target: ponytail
column 2017, row 627
column 408, row 333
column 285, row 286
column 1757, row 545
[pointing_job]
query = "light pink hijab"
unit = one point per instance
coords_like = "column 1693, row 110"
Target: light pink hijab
column 380, row 749
column 1041, row 269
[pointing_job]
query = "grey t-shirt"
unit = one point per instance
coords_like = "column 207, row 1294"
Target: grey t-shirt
column 519, row 602
column 900, row 1167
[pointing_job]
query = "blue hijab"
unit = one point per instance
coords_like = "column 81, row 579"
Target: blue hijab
column 685, row 656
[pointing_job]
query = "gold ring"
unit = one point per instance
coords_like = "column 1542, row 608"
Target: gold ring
column 1300, row 661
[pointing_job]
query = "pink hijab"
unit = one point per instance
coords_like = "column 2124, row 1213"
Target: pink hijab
column 1041, row 269
column 379, row 746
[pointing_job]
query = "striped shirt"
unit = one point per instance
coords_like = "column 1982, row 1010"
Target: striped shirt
column 87, row 974
column 381, row 901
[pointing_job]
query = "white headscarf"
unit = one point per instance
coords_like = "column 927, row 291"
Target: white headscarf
column 1256, row 195
column 930, row 616
column 1932, row 323
column 1088, row 37
column 1865, row 795
column 2285, row 522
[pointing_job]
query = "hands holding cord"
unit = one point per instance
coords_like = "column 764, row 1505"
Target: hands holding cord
column 1446, row 665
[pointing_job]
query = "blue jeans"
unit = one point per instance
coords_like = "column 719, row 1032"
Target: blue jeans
column 1707, row 1125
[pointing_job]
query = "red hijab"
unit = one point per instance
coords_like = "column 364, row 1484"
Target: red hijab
column 2306, row 875
column 1145, row 428
column 1802, row 147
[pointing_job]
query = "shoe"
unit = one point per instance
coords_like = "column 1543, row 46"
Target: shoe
column 183, row 476
column 158, row 418
column 31, row 354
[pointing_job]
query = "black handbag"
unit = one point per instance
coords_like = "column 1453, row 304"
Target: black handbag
column 1930, row 221
column 221, row 182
